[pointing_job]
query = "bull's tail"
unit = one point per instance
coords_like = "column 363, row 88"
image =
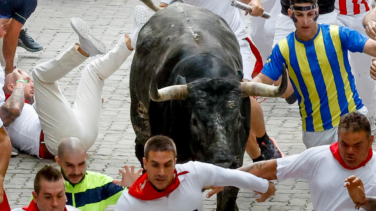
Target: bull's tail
column 151, row 5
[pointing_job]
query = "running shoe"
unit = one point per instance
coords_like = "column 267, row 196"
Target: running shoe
column 28, row 43
column 141, row 16
column 88, row 42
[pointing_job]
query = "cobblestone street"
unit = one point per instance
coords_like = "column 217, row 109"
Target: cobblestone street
column 110, row 20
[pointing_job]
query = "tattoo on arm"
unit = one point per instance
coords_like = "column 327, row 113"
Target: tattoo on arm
column 257, row 165
column 12, row 108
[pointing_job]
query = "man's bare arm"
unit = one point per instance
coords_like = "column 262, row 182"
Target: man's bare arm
column 264, row 169
column 12, row 108
column 10, row 44
column 6, row 149
column 370, row 205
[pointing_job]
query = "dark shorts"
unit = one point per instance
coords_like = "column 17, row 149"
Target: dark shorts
column 20, row 10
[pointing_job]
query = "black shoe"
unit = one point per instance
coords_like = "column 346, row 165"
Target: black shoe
column 25, row 41
column 269, row 148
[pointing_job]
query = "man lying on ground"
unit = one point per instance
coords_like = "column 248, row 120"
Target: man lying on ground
column 38, row 129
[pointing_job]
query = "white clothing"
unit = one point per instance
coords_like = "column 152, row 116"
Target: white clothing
column 69, row 208
column 58, row 118
column 2, row 81
column 223, row 8
column 25, row 131
column 360, row 65
column 245, row 51
column 284, row 25
column 352, row 7
column 234, row 19
column 262, row 30
column 319, row 138
column 188, row 196
column 326, row 176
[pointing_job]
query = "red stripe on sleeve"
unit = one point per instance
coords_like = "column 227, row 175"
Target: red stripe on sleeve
column 342, row 7
column 356, row 7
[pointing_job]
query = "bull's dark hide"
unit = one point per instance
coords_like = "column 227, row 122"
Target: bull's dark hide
column 184, row 44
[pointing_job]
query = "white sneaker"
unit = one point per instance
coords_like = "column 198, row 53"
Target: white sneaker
column 141, row 16
column 88, row 42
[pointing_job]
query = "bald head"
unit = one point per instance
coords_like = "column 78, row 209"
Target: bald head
column 71, row 146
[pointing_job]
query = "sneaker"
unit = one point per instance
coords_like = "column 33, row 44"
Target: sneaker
column 141, row 16
column 14, row 152
column 269, row 149
column 88, row 42
column 25, row 41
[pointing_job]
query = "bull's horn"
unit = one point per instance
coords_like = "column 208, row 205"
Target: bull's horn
column 151, row 5
column 259, row 89
column 176, row 92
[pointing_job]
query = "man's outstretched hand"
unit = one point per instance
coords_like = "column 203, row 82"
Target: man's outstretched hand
column 128, row 176
column 355, row 188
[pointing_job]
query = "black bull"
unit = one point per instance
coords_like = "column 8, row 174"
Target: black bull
column 193, row 57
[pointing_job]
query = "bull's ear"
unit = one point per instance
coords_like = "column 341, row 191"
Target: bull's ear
column 240, row 75
column 181, row 80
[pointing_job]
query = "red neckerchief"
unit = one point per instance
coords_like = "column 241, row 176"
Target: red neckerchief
column 143, row 189
column 33, row 207
column 5, row 205
column 7, row 96
column 337, row 156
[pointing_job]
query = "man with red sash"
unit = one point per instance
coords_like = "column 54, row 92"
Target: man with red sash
column 327, row 167
column 5, row 149
column 49, row 192
column 169, row 186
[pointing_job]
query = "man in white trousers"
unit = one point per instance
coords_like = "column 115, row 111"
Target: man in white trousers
column 351, row 14
column 38, row 129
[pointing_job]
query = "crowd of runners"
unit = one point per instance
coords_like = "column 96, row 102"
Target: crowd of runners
column 328, row 49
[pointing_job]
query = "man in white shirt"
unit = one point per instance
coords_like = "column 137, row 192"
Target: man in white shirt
column 326, row 167
column 51, row 112
column 49, row 192
column 169, row 186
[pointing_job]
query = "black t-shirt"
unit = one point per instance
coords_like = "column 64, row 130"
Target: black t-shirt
column 325, row 6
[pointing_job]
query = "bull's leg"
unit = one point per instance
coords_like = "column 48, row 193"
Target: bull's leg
column 226, row 200
column 141, row 126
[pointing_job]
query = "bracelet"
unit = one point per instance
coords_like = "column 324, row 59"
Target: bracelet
column 357, row 206
column 23, row 81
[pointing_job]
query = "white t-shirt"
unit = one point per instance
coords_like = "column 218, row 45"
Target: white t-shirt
column 326, row 177
column 24, row 132
column 352, row 7
column 188, row 196
column 223, row 8
column 69, row 208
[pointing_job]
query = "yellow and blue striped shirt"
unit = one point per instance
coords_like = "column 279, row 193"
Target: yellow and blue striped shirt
column 320, row 73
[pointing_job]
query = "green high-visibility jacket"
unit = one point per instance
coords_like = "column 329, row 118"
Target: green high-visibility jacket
column 94, row 193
